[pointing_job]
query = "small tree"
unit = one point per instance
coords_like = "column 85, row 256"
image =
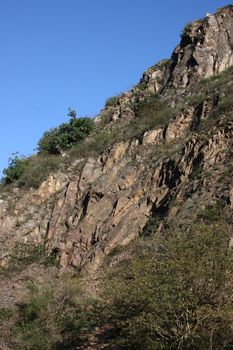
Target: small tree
column 72, row 113
column 63, row 137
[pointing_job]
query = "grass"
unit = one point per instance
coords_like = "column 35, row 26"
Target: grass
column 39, row 166
column 24, row 255
column 219, row 80
column 56, row 317
column 112, row 101
column 149, row 114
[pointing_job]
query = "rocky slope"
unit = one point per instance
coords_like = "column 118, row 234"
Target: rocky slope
column 169, row 172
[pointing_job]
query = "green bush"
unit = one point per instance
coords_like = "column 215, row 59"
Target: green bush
column 97, row 143
column 178, row 296
column 17, row 165
column 66, row 135
column 31, row 171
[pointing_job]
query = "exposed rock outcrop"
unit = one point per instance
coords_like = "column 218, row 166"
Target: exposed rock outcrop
column 81, row 215
column 205, row 49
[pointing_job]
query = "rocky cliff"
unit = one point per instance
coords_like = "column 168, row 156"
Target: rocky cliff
column 169, row 171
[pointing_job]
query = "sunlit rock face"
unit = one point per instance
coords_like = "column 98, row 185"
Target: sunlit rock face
column 82, row 213
column 206, row 48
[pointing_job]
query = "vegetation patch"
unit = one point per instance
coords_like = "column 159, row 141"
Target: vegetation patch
column 179, row 297
column 112, row 101
column 66, row 135
column 57, row 317
column 24, row 255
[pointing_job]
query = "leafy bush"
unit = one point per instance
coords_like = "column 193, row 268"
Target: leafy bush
column 17, row 165
column 177, row 297
column 66, row 135
column 186, row 29
column 141, row 86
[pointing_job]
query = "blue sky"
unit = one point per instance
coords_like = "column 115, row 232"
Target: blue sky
column 57, row 54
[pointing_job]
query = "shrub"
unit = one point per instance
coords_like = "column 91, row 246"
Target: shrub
column 17, row 165
column 66, row 135
column 141, row 86
column 57, row 317
column 188, row 27
column 97, row 143
column 178, row 297
column 31, row 171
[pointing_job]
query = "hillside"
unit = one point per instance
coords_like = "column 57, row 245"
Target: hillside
column 97, row 238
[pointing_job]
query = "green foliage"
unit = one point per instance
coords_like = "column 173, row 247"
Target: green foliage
column 188, row 27
column 112, row 101
column 97, row 143
column 5, row 314
column 177, row 297
column 17, row 165
column 55, row 318
column 219, row 80
column 152, row 225
column 149, row 113
column 66, row 135
column 31, row 171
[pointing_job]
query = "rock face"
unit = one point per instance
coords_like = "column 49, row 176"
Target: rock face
column 205, row 49
column 81, row 215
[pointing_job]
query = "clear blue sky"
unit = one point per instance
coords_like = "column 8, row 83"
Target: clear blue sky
column 57, row 54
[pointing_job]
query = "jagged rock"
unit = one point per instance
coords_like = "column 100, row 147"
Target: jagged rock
column 205, row 49
column 231, row 198
column 152, row 137
column 52, row 185
column 180, row 125
column 82, row 215
column 154, row 78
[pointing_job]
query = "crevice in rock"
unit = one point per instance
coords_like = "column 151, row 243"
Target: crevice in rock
column 191, row 63
column 157, row 215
